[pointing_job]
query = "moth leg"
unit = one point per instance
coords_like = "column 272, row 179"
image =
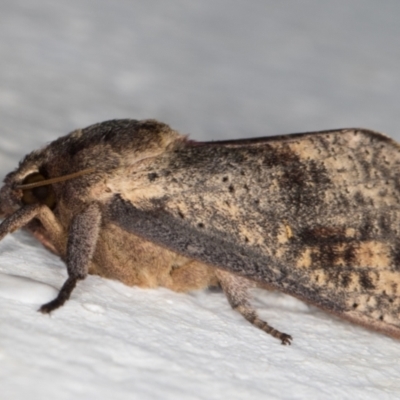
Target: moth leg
column 82, row 239
column 43, row 213
column 236, row 289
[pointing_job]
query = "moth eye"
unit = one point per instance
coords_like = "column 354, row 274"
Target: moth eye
column 42, row 194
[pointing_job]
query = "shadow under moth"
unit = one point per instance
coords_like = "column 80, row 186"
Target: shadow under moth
column 315, row 215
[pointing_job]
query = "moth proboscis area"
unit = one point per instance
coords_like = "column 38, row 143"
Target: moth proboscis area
column 315, row 215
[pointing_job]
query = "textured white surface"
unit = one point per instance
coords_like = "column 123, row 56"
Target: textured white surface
column 215, row 69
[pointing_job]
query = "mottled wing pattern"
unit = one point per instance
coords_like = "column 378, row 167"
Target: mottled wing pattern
column 315, row 215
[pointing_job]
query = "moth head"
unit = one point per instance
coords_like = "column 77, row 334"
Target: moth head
column 40, row 193
column 21, row 189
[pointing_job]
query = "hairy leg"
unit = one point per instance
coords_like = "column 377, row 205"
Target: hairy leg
column 236, row 289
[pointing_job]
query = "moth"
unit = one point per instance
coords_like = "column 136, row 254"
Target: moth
column 315, row 215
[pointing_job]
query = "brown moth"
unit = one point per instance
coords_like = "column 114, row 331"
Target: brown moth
column 314, row 215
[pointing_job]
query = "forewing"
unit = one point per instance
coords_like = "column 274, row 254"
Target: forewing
column 315, row 215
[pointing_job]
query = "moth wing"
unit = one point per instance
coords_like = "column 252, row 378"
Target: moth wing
column 315, row 215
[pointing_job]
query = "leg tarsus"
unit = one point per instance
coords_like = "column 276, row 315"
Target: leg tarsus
column 251, row 315
column 236, row 289
column 62, row 297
